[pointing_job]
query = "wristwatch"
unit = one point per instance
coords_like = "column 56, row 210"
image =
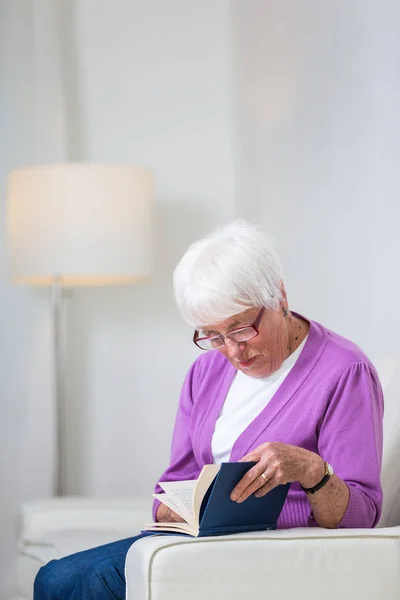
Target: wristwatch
column 327, row 475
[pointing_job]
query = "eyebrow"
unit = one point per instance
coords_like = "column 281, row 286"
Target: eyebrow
column 207, row 332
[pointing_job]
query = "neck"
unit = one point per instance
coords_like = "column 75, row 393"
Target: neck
column 298, row 329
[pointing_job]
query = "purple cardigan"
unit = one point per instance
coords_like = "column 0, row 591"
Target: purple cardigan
column 330, row 403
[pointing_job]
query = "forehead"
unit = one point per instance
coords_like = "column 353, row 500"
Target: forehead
column 243, row 318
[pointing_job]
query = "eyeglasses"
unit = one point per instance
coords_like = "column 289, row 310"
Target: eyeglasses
column 244, row 334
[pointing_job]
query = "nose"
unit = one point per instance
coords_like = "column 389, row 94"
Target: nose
column 233, row 349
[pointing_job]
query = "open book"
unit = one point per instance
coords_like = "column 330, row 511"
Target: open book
column 207, row 509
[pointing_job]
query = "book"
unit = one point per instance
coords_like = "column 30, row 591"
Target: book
column 207, row 509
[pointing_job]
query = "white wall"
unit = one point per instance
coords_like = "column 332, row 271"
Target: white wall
column 30, row 131
column 157, row 92
column 153, row 87
column 317, row 96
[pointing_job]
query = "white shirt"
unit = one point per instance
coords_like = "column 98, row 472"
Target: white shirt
column 246, row 398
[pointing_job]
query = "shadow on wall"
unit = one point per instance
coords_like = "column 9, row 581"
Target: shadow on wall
column 126, row 348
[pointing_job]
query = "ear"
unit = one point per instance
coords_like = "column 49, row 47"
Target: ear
column 283, row 302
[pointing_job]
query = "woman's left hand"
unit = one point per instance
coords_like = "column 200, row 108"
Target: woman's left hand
column 277, row 464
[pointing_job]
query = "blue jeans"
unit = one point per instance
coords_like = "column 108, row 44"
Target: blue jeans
column 91, row 574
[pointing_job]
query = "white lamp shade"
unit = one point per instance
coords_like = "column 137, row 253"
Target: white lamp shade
column 88, row 224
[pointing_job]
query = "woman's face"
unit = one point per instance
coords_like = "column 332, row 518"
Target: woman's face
column 265, row 353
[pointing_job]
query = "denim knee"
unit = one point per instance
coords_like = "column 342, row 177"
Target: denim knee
column 42, row 588
column 48, row 583
column 101, row 580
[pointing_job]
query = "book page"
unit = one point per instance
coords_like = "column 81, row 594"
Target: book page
column 181, row 493
column 206, row 477
column 168, row 501
column 172, row 527
column 188, row 495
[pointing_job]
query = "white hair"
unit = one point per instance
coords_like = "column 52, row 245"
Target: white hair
column 231, row 270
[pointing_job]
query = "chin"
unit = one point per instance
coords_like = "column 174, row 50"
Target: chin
column 258, row 375
column 256, row 372
column 260, row 371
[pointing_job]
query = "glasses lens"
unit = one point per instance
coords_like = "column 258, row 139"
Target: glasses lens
column 243, row 335
column 240, row 335
column 210, row 343
column 216, row 342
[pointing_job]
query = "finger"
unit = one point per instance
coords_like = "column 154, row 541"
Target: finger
column 178, row 517
column 250, row 482
column 256, row 454
column 267, row 487
column 257, row 484
column 175, row 517
column 251, row 456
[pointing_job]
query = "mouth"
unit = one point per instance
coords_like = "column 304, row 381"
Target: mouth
column 247, row 363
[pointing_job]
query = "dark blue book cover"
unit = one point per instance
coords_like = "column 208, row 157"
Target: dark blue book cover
column 219, row 515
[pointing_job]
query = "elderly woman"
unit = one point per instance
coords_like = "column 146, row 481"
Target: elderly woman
column 272, row 387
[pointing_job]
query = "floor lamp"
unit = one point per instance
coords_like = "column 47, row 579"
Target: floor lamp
column 77, row 225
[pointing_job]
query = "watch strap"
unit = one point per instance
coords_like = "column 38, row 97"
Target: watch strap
column 320, row 484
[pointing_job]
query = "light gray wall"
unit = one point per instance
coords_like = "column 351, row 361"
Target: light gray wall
column 152, row 86
column 317, row 91
column 154, row 81
column 29, row 132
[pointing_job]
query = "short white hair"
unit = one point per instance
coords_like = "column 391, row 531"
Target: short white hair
column 232, row 269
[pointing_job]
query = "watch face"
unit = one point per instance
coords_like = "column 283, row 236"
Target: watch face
column 329, row 469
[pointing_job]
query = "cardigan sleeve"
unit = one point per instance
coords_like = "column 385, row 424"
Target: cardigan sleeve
column 351, row 438
column 183, row 464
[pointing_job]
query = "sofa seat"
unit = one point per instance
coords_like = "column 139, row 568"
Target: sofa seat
column 56, row 527
column 302, row 563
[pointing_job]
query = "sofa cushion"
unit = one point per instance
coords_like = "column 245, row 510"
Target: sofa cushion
column 55, row 527
column 55, row 514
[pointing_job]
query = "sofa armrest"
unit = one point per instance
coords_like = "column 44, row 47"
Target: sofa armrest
column 78, row 513
column 306, row 563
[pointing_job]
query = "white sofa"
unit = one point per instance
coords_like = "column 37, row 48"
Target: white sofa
column 56, row 527
column 302, row 563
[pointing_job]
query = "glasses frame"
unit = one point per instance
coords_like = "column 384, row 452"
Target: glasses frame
column 254, row 325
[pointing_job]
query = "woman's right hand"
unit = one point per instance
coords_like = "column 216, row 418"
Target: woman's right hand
column 166, row 514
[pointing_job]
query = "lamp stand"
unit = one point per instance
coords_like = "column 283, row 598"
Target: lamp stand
column 56, row 294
